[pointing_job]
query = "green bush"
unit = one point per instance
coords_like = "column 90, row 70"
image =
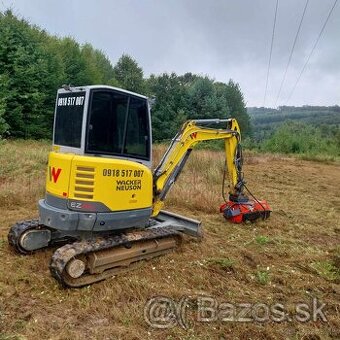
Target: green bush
column 299, row 138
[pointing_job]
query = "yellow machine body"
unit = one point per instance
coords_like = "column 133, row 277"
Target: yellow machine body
column 118, row 184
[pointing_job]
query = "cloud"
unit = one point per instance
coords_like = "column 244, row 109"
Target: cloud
column 220, row 38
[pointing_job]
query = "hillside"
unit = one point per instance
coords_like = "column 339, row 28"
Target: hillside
column 288, row 259
column 265, row 121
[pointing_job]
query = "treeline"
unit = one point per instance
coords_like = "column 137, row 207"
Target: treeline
column 300, row 138
column 34, row 64
column 266, row 121
column 308, row 130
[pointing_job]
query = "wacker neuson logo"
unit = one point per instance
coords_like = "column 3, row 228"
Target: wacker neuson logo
column 129, row 184
column 165, row 312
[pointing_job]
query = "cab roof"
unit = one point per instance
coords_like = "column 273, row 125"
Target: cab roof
column 67, row 89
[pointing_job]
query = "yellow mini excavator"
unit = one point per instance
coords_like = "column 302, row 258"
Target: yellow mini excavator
column 103, row 203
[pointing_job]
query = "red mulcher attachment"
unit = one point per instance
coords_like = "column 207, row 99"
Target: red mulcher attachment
column 238, row 210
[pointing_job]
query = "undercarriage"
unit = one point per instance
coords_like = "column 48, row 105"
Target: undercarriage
column 88, row 257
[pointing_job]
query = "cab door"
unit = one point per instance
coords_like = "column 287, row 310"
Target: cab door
column 119, row 126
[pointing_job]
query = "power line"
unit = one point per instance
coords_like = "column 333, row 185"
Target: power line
column 291, row 52
column 270, row 54
column 311, row 52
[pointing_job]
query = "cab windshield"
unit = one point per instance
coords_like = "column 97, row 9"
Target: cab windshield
column 118, row 124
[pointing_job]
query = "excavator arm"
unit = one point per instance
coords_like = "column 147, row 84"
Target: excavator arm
column 192, row 133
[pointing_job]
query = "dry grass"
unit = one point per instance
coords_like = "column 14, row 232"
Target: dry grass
column 287, row 259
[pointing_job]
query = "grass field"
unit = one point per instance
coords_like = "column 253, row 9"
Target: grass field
column 291, row 258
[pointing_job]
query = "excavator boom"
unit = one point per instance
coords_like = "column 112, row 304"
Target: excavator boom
column 192, row 133
column 239, row 208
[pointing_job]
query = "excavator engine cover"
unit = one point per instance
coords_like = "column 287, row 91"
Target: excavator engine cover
column 242, row 211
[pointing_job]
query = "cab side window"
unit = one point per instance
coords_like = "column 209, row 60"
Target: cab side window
column 137, row 132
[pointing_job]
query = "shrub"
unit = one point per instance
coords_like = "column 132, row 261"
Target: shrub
column 299, row 138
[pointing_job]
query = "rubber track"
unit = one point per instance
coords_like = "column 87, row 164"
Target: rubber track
column 17, row 230
column 64, row 254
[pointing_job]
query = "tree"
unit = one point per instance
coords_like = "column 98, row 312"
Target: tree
column 3, row 125
column 128, row 74
column 236, row 105
column 23, row 65
column 91, row 73
column 104, row 66
column 169, row 110
column 203, row 101
column 76, row 72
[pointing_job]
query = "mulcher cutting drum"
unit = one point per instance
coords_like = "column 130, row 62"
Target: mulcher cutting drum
column 249, row 210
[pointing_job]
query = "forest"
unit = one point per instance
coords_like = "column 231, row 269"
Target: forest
column 266, row 120
column 34, row 64
column 307, row 130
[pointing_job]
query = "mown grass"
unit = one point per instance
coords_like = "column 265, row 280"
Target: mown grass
column 327, row 269
column 262, row 277
column 262, row 240
column 223, row 263
column 289, row 258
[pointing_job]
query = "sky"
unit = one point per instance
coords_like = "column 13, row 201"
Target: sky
column 223, row 39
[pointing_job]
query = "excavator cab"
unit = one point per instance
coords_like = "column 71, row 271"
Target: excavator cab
column 103, row 121
column 100, row 169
